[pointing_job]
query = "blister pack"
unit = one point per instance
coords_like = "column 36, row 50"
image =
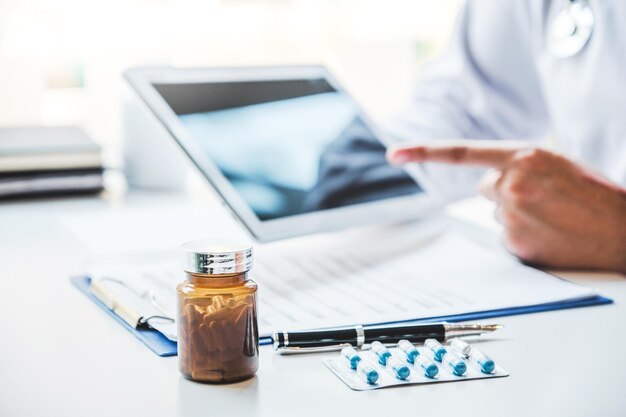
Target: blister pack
column 405, row 364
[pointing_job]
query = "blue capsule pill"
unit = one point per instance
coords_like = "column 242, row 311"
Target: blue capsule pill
column 459, row 368
column 437, row 348
column 455, row 364
column 430, row 368
column 486, row 364
column 351, row 355
column 401, row 370
column 410, row 350
column 368, row 372
column 382, row 352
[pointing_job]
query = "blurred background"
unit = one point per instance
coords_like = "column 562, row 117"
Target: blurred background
column 60, row 61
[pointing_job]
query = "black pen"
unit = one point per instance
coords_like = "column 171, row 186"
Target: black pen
column 303, row 341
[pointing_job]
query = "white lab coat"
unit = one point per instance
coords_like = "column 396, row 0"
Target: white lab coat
column 498, row 80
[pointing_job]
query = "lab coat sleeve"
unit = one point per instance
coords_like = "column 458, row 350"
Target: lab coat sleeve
column 485, row 86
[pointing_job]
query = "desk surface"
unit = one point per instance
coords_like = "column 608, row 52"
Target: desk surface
column 61, row 355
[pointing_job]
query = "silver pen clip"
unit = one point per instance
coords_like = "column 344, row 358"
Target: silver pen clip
column 291, row 350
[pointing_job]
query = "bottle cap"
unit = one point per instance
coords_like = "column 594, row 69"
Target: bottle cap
column 215, row 258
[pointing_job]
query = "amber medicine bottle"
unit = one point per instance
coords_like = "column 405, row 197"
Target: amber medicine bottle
column 218, row 338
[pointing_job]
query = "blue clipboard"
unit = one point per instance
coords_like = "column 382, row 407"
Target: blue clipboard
column 162, row 346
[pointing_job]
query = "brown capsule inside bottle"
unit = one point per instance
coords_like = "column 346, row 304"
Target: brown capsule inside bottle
column 218, row 338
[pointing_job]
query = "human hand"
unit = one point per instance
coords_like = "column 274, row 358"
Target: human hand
column 555, row 212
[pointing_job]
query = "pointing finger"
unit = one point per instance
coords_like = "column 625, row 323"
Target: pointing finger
column 466, row 154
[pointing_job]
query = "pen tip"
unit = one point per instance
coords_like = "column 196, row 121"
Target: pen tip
column 492, row 327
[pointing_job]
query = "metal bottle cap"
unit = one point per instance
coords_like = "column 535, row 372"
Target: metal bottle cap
column 213, row 258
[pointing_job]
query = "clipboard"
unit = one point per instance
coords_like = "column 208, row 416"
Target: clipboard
column 162, row 346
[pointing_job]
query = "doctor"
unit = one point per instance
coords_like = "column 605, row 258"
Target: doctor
column 529, row 70
column 524, row 70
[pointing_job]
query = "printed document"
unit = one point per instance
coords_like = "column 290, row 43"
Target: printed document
column 383, row 276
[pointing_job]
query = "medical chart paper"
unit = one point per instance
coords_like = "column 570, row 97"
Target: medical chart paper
column 381, row 277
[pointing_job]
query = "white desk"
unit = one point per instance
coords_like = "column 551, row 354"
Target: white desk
column 61, row 355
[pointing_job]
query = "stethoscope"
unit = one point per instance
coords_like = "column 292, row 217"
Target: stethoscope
column 571, row 29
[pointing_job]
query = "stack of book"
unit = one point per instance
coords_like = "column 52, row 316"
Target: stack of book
column 46, row 161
